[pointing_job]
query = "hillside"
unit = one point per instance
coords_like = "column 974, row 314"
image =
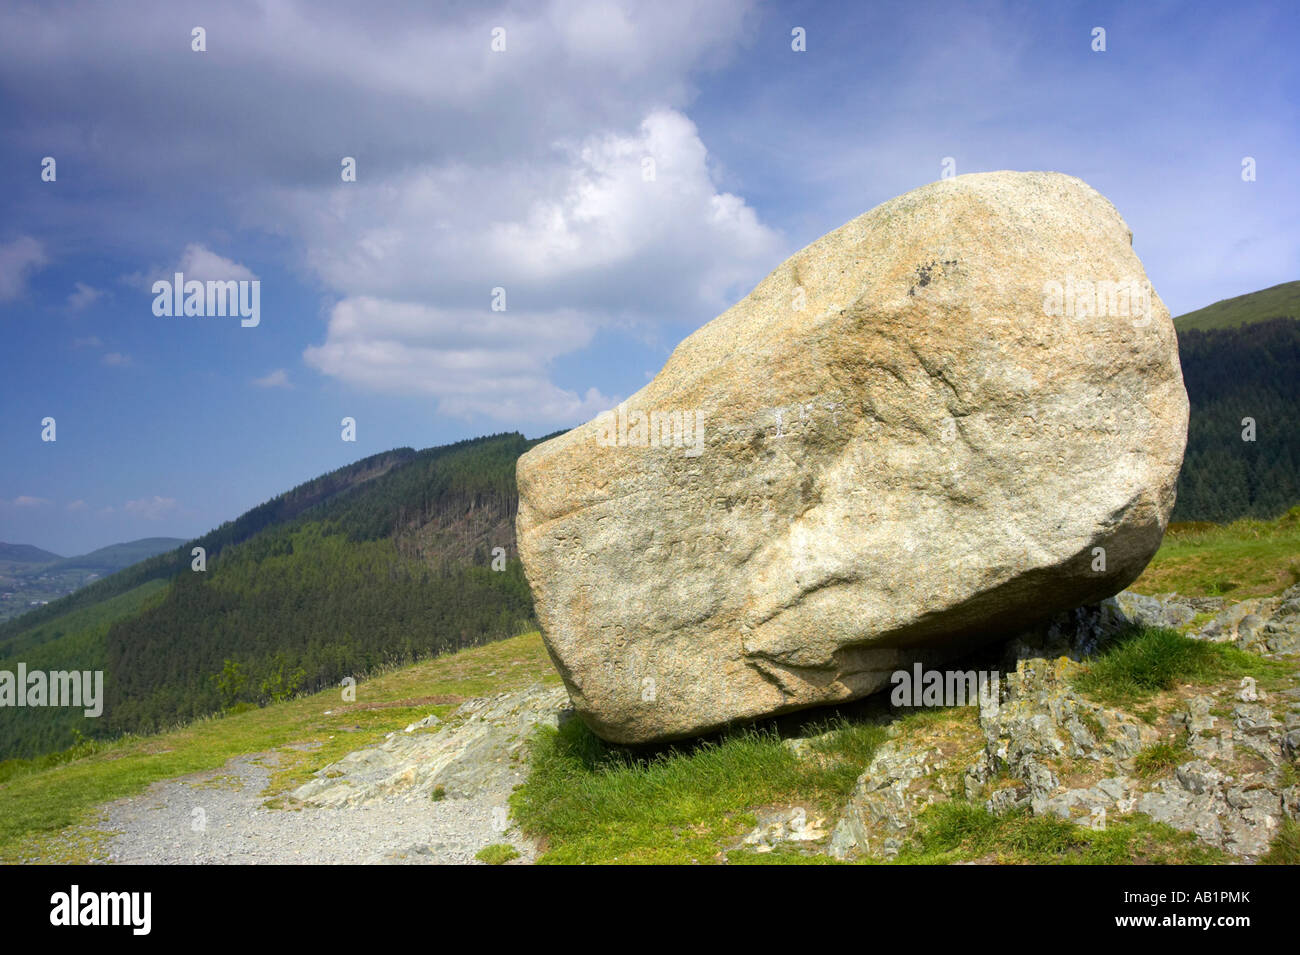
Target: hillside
column 1233, row 374
column 282, row 507
column 25, row 554
column 385, row 561
column 588, row 801
column 32, row 577
column 1279, row 301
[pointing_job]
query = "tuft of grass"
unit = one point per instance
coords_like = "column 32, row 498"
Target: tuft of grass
column 1160, row 757
column 439, row 793
column 497, row 854
column 848, row 747
column 1148, row 715
column 13, row 768
column 596, row 803
column 960, row 831
column 1285, row 849
column 1288, row 775
column 1147, row 660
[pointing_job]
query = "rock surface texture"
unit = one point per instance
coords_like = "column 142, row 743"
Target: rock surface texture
column 480, row 752
column 1047, row 750
column 922, row 432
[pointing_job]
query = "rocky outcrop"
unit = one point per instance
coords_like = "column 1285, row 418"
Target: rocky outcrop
column 1270, row 626
column 1046, row 750
column 923, row 431
column 904, row 778
column 480, row 750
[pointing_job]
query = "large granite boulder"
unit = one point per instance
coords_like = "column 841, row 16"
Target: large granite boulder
column 957, row 414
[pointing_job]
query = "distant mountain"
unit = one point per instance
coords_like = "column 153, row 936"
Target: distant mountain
column 21, row 559
column 114, row 557
column 384, row 561
column 1279, row 301
column 26, row 554
column 32, row 578
column 282, row 507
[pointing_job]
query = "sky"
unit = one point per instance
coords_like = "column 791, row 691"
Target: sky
column 548, row 197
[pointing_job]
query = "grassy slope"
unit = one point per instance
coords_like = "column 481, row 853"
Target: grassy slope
column 159, row 661
column 1277, row 302
column 42, row 805
column 1247, row 558
column 592, row 802
column 76, row 639
column 597, row 804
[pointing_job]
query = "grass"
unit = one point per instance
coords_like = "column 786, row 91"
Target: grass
column 1247, row 558
column 590, row 802
column 1148, row 660
column 781, row 854
column 595, row 803
column 44, row 803
column 960, row 831
column 1279, row 300
column 1285, row 849
column 497, row 854
column 1160, row 757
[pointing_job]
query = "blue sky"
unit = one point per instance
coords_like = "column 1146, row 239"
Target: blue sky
column 523, row 169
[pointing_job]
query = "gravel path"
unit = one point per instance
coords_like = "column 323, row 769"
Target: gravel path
column 218, row 817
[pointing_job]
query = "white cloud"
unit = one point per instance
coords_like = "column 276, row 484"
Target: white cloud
column 93, row 341
column 579, row 243
column 77, row 505
column 150, row 508
column 84, row 296
column 521, row 169
column 492, row 363
column 26, row 500
column 197, row 262
column 276, row 379
column 578, row 227
column 116, row 360
column 398, row 81
column 201, row 263
column 18, row 259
